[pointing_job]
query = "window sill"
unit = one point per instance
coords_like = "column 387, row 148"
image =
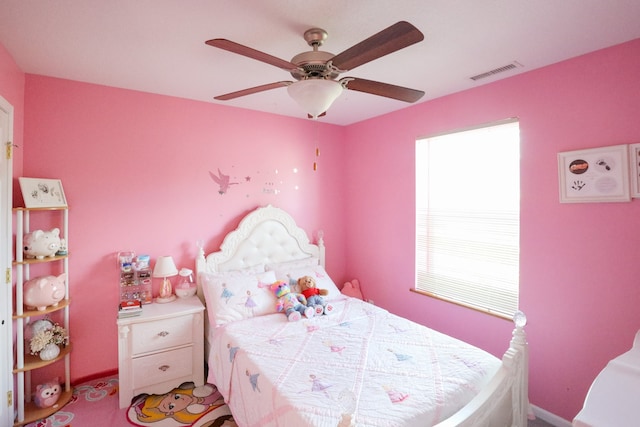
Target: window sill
column 472, row 307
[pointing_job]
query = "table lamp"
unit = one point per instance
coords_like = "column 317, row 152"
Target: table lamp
column 165, row 268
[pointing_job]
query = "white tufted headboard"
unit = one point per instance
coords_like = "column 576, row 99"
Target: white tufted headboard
column 265, row 235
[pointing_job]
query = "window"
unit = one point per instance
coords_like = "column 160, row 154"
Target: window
column 468, row 217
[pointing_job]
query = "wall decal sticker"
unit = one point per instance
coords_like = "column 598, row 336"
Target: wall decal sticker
column 223, row 181
column 261, row 182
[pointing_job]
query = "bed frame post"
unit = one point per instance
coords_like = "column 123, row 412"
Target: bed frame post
column 201, row 265
column 520, row 390
column 321, row 248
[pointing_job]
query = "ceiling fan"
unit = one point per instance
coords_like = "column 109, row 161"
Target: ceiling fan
column 316, row 72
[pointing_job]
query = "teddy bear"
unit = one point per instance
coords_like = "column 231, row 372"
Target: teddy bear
column 294, row 305
column 307, row 285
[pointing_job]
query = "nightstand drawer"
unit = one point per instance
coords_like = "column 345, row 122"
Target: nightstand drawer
column 161, row 334
column 161, row 367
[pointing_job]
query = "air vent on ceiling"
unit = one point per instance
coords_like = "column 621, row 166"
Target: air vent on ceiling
column 498, row 70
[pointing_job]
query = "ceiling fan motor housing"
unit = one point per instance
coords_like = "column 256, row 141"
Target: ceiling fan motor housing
column 314, row 66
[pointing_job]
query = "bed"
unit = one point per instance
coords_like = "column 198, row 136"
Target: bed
column 358, row 366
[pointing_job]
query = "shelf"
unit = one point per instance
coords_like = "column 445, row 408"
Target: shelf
column 64, row 208
column 50, row 309
column 32, row 362
column 33, row 413
column 38, row 261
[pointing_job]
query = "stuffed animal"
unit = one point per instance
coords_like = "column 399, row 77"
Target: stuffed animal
column 352, row 289
column 307, row 285
column 47, row 394
column 293, row 305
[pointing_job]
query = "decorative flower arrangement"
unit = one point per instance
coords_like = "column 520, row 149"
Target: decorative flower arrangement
column 56, row 335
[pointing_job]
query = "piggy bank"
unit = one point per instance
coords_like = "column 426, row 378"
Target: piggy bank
column 43, row 291
column 47, row 394
column 40, row 244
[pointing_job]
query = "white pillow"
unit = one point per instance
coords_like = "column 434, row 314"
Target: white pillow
column 282, row 268
column 237, row 296
column 246, row 270
column 323, row 281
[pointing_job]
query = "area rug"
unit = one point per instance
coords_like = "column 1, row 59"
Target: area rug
column 186, row 405
column 95, row 403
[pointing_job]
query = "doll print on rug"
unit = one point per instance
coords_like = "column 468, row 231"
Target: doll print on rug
column 185, row 405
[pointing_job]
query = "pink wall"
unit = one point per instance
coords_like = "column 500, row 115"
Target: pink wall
column 134, row 163
column 135, row 169
column 579, row 262
column 12, row 82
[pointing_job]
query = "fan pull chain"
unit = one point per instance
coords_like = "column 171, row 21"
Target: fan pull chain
column 315, row 163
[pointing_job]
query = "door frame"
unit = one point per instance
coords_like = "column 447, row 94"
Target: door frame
column 7, row 395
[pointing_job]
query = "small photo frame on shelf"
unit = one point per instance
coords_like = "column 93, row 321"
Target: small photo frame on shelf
column 634, row 169
column 594, row 175
column 42, row 193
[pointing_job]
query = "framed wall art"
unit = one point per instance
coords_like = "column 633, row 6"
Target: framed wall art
column 634, row 169
column 594, row 175
column 42, row 193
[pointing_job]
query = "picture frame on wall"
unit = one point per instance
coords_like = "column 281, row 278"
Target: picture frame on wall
column 594, row 175
column 42, row 193
column 634, row 169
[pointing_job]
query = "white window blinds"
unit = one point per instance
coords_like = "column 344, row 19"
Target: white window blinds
column 468, row 217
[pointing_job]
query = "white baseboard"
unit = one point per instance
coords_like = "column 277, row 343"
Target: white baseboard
column 552, row 419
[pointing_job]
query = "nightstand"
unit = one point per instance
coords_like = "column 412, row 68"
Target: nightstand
column 161, row 348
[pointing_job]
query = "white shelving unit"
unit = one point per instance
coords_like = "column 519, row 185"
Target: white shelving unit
column 27, row 411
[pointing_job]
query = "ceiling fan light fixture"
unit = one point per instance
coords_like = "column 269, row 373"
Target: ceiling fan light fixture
column 315, row 96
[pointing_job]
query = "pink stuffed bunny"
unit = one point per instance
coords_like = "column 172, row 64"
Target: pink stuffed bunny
column 352, row 289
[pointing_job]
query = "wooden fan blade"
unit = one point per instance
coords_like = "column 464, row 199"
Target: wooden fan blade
column 383, row 89
column 252, row 53
column 251, row 90
column 389, row 40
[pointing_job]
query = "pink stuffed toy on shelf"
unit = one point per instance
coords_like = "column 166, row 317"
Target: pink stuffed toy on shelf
column 293, row 305
column 47, row 394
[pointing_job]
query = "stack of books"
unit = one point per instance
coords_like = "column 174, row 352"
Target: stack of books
column 129, row 308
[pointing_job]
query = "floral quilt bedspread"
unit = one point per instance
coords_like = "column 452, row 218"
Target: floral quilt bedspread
column 361, row 360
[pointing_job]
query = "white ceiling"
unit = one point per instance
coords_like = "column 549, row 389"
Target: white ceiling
column 158, row 46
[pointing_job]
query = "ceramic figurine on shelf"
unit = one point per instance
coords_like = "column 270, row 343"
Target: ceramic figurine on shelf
column 63, row 248
column 41, row 244
column 43, row 291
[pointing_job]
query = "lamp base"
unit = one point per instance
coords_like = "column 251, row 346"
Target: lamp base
column 164, row 300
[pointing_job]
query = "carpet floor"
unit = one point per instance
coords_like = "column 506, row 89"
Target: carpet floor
column 95, row 404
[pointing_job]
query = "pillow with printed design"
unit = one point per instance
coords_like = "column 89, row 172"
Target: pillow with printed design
column 235, row 296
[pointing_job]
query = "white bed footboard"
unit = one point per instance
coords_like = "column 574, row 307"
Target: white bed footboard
column 504, row 402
